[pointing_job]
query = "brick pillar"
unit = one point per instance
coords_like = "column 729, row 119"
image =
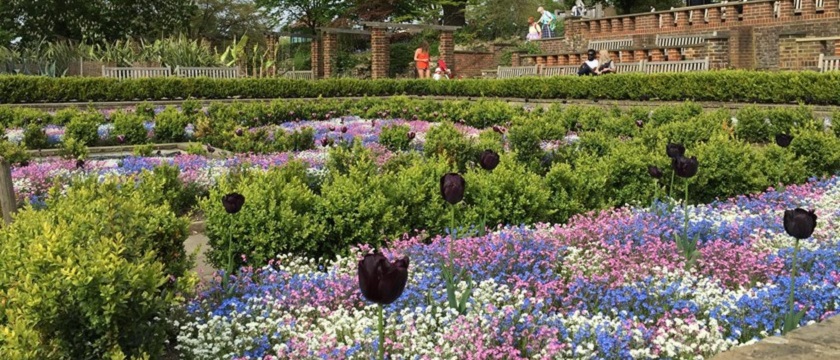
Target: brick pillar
column 628, row 23
column 380, row 47
column 330, row 54
column 656, row 55
column 714, row 16
column 541, row 60
column 831, row 7
column 605, row 26
column 562, row 59
column 447, row 50
column 674, row 54
column 647, row 22
column 315, row 57
column 667, row 20
column 640, row 55
column 697, row 17
column 717, row 49
column 836, row 47
column 682, row 18
column 514, row 59
column 551, row 60
column 786, row 8
column 615, row 55
column 594, row 27
column 583, row 29
column 574, row 59
column 617, row 25
column 809, row 7
column 626, row 56
column 569, row 29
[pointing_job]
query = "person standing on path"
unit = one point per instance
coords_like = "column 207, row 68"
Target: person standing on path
column 421, row 59
column 547, row 20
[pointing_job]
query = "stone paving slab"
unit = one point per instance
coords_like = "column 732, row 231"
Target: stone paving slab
column 199, row 242
column 819, row 341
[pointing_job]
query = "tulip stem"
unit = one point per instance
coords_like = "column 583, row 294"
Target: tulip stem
column 229, row 269
column 792, row 281
column 671, row 188
column 381, row 334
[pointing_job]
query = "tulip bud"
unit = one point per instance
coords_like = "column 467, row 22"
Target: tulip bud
column 80, row 164
column 800, row 223
column 488, row 160
column 674, row 150
column 331, row 128
column 783, row 140
column 452, row 187
column 121, row 139
column 24, row 163
column 640, row 123
column 291, row 113
column 343, row 129
column 411, row 135
column 382, row 281
column 239, row 132
column 210, row 149
column 233, row 202
column 654, row 172
column 325, row 142
column 685, row 167
column 415, row 118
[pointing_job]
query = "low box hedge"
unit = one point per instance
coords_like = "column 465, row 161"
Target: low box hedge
column 731, row 86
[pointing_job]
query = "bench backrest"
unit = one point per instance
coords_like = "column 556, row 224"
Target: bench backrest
column 135, row 72
column 829, row 63
column 609, row 44
column 505, row 72
column 559, row 70
column 675, row 41
column 210, row 72
column 629, row 67
column 298, row 75
column 676, row 66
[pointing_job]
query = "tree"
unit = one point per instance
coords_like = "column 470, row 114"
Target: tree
column 311, row 14
column 493, row 19
column 222, row 20
column 94, row 20
column 642, row 6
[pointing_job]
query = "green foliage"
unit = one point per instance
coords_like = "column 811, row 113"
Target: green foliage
column 196, row 149
column 728, row 167
column 170, row 125
column 280, row 215
column 84, row 128
column 445, row 140
column 395, row 137
column 300, row 139
column 73, row 149
column 731, row 86
column 129, row 125
column 563, row 182
column 34, row 137
column 14, row 153
column 818, row 149
column 115, row 265
column 143, row 150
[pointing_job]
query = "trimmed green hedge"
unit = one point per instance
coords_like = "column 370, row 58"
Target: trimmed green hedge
column 732, row 86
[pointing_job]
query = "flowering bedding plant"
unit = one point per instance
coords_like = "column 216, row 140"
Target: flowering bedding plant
column 607, row 285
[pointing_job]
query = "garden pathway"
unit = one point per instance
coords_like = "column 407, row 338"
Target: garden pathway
column 815, row 342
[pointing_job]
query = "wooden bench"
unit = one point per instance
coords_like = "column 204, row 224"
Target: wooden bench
column 298, row 75
column 829, row 63
column 489, row 74
column 506, row 72
column 610, row 44
column 210, row 72
column 135, row 72
column 559, row 70
column 677, row 41
column 656, row 67
column 630, row 67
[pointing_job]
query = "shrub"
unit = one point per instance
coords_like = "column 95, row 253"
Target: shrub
column 73, row 149
column 300, row 139
column 728, row 167
column 753, row 125
column 85, row 128
column 14, row 153
column 143, row 150
column 413, row 194
column 280, row 215
column 115, row 266
column 129, row 125
column 395, row 137
column 627, row 179
column 170, row 125
column 819, row 150
column 563, row 183
column 196, row 149
column 445, row 140
column 34, row 137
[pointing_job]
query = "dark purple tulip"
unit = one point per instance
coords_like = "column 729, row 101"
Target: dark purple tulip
column 210, row 149
column 452, row 187
column 405, row 110
column 685, row 167
column 373, row 123
column 415, row 118
column 800, row 223
column 675, row 150
column 462, row 121
column 416, row 109
column 24, row 163
column 291, row 113
column 121, row 139
column 445, row 115
column 640, row 123
column 331, row 128
column 233, row 202
column 325, row 142
column 488, row 159
column 239, row 132
column 343, row 129
column 435, row 114
column 654, row 172
column 783, row 140
column 382, row 281
column 411, row 135
column 80, row 164
column 497, row 129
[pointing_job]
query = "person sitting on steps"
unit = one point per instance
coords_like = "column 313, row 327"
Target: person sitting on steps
column 607, row 65
column 590, row 65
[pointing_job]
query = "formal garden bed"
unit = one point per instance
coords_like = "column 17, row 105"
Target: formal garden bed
column 325, row 181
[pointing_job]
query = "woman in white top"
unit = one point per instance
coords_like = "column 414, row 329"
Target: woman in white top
column 534, row 30
column 607, row 65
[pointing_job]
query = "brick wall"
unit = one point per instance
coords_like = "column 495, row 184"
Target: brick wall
column 768, row 40
column 380, row 57
column 470, row 63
